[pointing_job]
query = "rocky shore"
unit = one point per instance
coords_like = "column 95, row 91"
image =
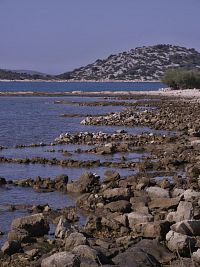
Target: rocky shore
column 150, row 218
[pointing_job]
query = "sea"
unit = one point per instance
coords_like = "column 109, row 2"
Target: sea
column 27, row 120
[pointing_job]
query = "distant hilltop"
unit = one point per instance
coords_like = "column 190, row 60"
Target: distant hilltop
column 147, row 63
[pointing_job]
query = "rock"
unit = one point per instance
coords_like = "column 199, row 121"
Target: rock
column 153, row 229
column 35, row 225
column 64, row 259
column 187, row 227
column 164, row 203
column 184, row 211
column 11, row 247
column 179, row 242
column 111, row 176
column 135, row 258
column 61, row 182
column 191, row 195
column 85, row 184
column 177, row 192
column 62, row 227
column 20, row 235
column 196, row 256
column 2, row 181
column 156, row 249
column 137, row 218
column 157, row 192
column 74, row 240
column 117, row 194
column 89, row 254
column 119, row 206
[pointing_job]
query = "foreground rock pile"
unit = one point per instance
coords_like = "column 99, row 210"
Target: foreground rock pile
column 131, row 222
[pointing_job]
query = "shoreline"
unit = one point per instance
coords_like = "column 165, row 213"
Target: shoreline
column 85, row 81
column 187, row 93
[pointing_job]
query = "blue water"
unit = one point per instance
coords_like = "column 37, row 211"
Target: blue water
column 78, row 86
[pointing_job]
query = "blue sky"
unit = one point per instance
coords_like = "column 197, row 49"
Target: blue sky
column 54, row 36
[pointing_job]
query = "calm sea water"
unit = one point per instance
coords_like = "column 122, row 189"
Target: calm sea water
column 26, row 120
column 78, row 86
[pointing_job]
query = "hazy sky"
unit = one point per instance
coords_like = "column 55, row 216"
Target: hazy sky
column 54, row 36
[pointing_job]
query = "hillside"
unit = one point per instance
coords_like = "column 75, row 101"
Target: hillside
column 142, row 63
column 17, row 75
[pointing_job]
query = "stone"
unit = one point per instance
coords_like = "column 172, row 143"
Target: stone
column 74, row 240
column 85, row 252
column 137, row 218
column 184, row 211
column 163, row 203
column 11, row 247
column 85, row 184
column 62, row 227
column 111, row 176
column 119, row 206
column 196, row 256
column 2, row 181
column 117, row 194
column 187, row 227
column 157, row 192
column 135, row 258
column 64, row 259
column 191, row 195
column 153, row 229
column 178, row 242
column 35, row 225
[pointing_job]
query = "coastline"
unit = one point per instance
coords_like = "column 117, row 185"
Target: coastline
column 187, row 93
column 85, row 81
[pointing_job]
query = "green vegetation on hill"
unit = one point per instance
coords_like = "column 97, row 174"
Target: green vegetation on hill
column 182, row 79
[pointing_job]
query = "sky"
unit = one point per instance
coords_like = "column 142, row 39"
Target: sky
column 54, row 36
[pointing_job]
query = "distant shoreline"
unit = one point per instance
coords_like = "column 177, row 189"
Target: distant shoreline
column 84, row 81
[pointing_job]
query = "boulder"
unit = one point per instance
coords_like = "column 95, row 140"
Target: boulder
column 87, row 253
column 184, row 211
column 117, row 194
column 164, row 203
column 137, row 218
column 11, row 247
column 191, row 195
column 178, row 242
column 111, row 176
column 64, row 259
column 35, row 225
column 74, row 240
column 85, row 184
column 153, row 229
column 62, row 227
column 135, row 257
column 196, row 256
column 157, row 192
column 187, row 227
column 119, row 206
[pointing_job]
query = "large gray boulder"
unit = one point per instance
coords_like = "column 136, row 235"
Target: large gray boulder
column 35, row 225
column 114, row 194
column 196, row 256
column 178, row 242
column 119, row 206
column 74, row 240
column 61, row 259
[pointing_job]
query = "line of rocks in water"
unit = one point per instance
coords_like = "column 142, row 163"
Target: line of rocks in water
column 134, row 222
column 170, row 115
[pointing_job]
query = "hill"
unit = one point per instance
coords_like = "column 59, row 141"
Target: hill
column 22, row 75
column 142, row 63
